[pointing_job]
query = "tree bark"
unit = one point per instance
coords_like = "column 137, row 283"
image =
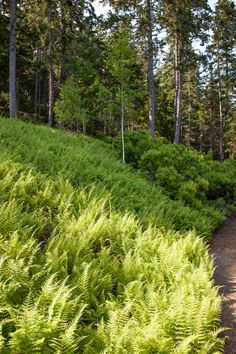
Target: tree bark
column 150, row 71
column 122, row 123
column 200, row 136
column 84, row 127
column 50, row 72
column 178, row 88
column 189, row 111
column 211, row 137
column 37, row 84
column 12, row 59
column 105, row 127
column 50, row 94
column 211, row 111
column 221, row 115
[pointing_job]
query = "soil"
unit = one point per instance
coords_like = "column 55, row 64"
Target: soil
column 223, row 249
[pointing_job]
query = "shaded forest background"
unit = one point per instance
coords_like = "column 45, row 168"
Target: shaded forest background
column 141, row 67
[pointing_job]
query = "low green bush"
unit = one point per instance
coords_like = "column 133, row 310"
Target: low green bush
column 136, row 143
column 188, row 175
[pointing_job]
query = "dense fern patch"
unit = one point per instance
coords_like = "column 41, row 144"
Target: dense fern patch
column 85, row 161
column 79, row 277
column 95, row 258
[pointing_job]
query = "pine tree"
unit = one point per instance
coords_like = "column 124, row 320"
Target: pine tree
column 140, row 16
column 183, row 21
column 224, row 65
column 12, row 58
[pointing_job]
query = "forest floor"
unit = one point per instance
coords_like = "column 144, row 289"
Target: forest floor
column 223, row 249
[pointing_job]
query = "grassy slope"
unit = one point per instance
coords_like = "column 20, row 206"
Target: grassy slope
column 99, row 281
column 85, row 161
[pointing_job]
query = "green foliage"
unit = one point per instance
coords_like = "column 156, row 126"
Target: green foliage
column 84, row 278
column 136, row 143
column 122, row 57
column 85, row 161
column 70, row 108
column 123, row 65
column 188, row 175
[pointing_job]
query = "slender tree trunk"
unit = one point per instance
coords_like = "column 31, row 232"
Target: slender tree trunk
column 233, row 150
column 122, row 122
column 12, row 59
column 39, row 96
column 211, row 139
column 50, row 83
column 178, row 88
column 189, row 124
column 64, row 44
column 37, row 83
column 105, row 127
column 222, row 123
column 200, row 136
column 84, row 127
column 150, row 71
column 211, row 111
column 50, row 72
column 189, row 110
column 36, row 93
column 50, row 95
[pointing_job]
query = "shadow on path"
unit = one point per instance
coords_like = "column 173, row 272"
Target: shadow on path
column 223, row 249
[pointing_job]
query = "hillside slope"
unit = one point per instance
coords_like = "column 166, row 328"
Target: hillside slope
column 81, row 270
column 85, row 161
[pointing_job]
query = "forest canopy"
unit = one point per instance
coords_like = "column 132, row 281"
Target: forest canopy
column 163, row 66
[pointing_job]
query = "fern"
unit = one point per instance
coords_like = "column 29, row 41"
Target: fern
column 80, row 273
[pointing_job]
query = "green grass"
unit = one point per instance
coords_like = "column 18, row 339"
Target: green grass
column 96, row 259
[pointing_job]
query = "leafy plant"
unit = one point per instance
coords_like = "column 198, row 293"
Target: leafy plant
column 85, row 271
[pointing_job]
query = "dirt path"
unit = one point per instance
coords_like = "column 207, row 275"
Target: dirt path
column 224, row 250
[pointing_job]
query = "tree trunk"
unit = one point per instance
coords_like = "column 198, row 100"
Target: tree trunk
column 222, row 123
column 64, row 44
column 50, row 94
column 84, row 127
column 12, row 59
column 122, row 123
column 36, row 92
column 178, row 88
column 211, row 137
column 105, row 127
column 39, row 97
column 50, row 72
column 211, row 111
column 200, row 136
column 189, row 111
column 150, row 71
column 233, row 149
column 37, row 84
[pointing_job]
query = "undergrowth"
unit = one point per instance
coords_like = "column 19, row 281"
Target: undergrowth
column 184, row 174
column 79, row 277
column 94, row 257
column 85, row 161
